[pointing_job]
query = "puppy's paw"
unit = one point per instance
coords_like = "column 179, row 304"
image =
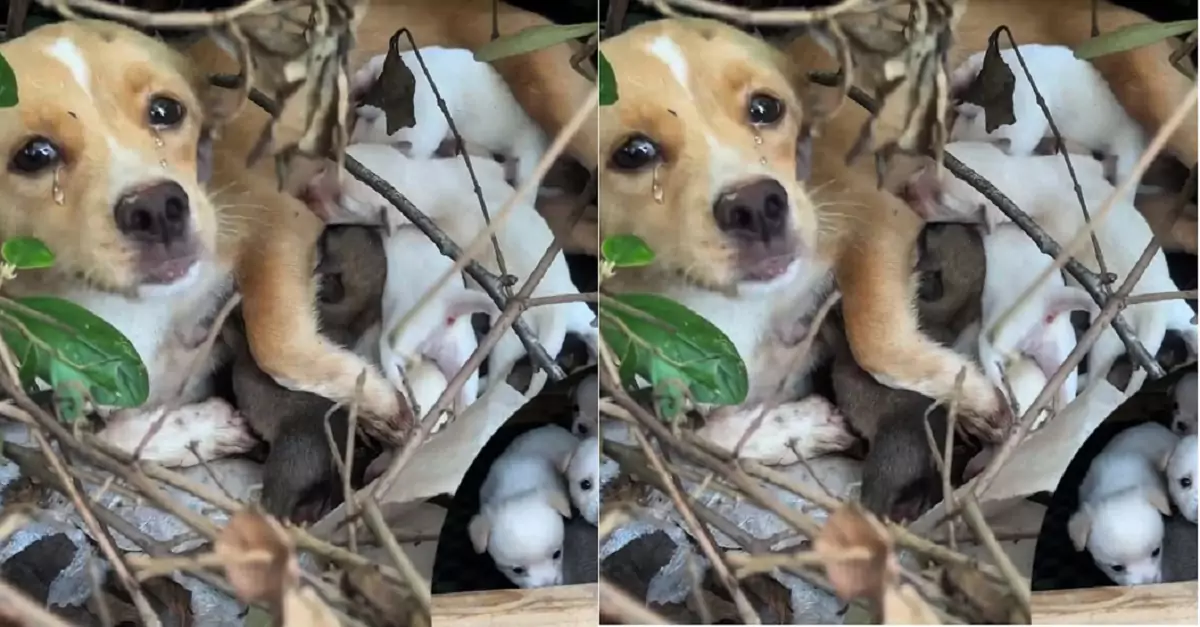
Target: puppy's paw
column 209, row 430
column 784, row 435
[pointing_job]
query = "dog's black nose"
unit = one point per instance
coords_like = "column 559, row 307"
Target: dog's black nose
column 155, row 214
column 756, row 210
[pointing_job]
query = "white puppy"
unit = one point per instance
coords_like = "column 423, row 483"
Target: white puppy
column 1078, row 98
column 582, row 470
column 441, row 188
column 1183, row 415
column 1039, row 328
column 479, row 101
column 1041, row 186
column 1122, row 501
column 1180, row 468
column 587, row 412
column 523, row 503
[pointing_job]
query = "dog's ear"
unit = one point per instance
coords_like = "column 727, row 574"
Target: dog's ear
column 479, row 529
column 804, row 156
column 1165, row 461
column 1079, row 527
column 564, row 464
column 1159, row 500
column 559, row 502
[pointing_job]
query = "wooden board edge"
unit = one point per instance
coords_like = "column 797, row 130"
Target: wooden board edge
column 565, row 606
column 1158, row 604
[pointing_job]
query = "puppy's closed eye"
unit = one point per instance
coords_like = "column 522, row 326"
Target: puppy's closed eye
column 35, row 155
column 557, row 553
column 518, row 570
column 1118, row 568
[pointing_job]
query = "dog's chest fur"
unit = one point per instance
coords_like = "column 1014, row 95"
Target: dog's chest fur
column 767, row 325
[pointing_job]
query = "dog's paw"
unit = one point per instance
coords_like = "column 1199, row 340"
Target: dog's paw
column 983, row 410
column 385, row 411
column 187, row 436
column 784, row 435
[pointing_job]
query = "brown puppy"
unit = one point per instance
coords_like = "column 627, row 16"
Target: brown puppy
column 108, row 164
column 300, row 466
column 703, row 157
column 900, row 478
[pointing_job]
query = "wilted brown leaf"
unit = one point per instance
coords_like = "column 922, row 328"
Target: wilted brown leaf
column 259, row 558
column 902, row 605
column 857, row 553
column 303, row 608
column 394, row 90
column 992, row 88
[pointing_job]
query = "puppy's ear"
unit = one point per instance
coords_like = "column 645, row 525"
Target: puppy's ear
column 565, row 463
column 804, row 156
column 1079, row 527
column 1165, row 461
column 559, row 502
column 479, row 529
column 1159, row 500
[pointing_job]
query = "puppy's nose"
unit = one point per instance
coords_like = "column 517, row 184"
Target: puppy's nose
column 155, row 214
column 756, row 210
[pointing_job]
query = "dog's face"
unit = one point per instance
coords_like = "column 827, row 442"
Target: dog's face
column 584, row 421
column 702, row 152
column 1183, row 414
column 1124, row 536
column 106, row 155
column 1181, row 477
column 951, row 264
column 583, row 478
column 524, row 537
column 352, row 271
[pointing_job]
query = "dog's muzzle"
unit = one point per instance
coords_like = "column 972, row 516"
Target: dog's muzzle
column 756, row 217
column 157, row 219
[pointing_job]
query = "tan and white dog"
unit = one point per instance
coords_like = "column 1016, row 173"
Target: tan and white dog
column 154, row 219
column 704, row 157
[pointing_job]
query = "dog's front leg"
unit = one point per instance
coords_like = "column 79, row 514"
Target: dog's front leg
column 278, row 293
column 185, row 436
column 885, row 336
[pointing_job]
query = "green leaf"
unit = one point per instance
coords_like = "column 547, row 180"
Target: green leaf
column 607, row 80
column 73, row 344
column 70, row 390
column 8, row 84
column 659, row 328
column 532, row 39
column 626, row 251
column 1132, row 36
column 258, row 617
column 27, row 253
column 670, row 386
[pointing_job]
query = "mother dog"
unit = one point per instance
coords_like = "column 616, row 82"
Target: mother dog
column 704, row 157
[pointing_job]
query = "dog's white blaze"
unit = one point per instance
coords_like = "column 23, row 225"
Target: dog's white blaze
column 669, row 53
column 71, row 56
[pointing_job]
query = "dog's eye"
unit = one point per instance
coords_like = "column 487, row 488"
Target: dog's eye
column 165, row 112
column 37, row 154
column 763, row 109
column 1118, row 568
column 557, row 554
column 518, row 570
column 637, row 152
column 1186, row 482
column 585, row 485
column 582, row 429
column 1156, row 552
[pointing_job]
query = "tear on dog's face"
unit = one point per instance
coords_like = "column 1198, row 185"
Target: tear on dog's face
column 706, row 162
column 106, row 154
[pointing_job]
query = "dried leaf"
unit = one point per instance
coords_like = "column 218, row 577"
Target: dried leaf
column 259, row 558
column 902, row 605
column 993, row 87
column 393, row 91
column 303, row 608
column 857, row 553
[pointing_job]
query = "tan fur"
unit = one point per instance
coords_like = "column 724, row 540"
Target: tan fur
column 866, row 234
column 265, row 237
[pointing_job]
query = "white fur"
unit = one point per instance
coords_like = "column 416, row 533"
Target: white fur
column 1122, row 504
column 787, row 433
column 522, row 505
column 440, row 332
column 1181, row 476
column 583, row 478
column 479, row 101
column 442, row 189
column 587, row 413
column 1183, row 416
column 1041, row 186
column 1078, row 98
column 1039, row 328
column 214, row 428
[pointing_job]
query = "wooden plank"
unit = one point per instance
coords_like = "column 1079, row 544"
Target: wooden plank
column 561, row 606
column 1159, row 604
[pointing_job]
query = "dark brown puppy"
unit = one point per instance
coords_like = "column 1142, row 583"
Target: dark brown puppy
column 900, row 479
column 300, row 479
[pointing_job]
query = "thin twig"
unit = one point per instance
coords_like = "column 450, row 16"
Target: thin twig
column 15, row 606
column 1016, row 583
column 378, row 525
column 615, row 603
